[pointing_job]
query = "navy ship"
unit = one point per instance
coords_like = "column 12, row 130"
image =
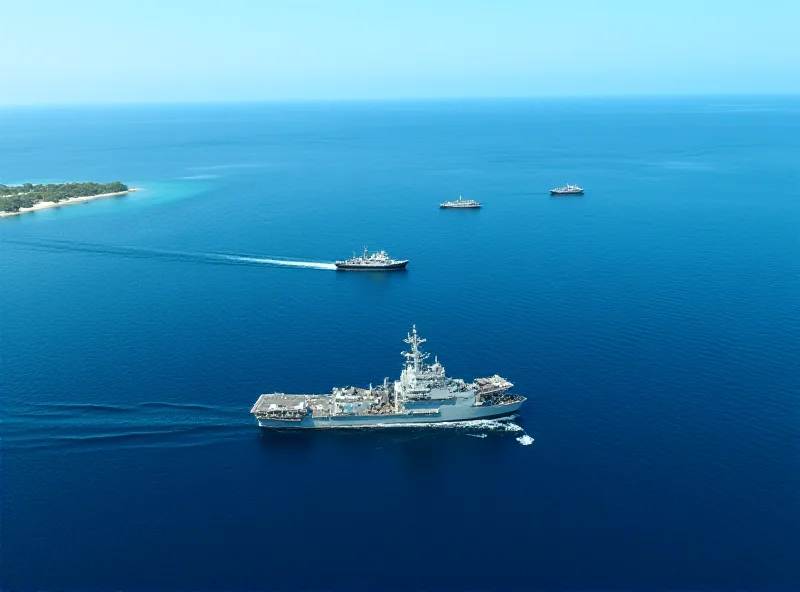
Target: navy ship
column 567, row 190
column 461, row 203
column 423, row 394
column 379, row 261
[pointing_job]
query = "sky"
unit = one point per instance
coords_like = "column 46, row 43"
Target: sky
column 131, row 51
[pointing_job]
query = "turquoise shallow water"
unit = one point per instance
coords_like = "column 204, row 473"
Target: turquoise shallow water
column 653, row 323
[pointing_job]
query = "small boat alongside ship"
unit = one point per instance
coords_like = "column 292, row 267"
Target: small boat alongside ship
column 367, row 261
column 460, row 203
column 567, row 190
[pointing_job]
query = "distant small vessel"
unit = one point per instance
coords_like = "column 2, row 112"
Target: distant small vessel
column 379, row 261
column 567, row 190
column 461, row 203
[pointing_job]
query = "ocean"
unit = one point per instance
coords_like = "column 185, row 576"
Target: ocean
column 653, row 324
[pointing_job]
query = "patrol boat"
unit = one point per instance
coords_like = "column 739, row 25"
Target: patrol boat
column 460, row 203
column 379, row 261
column 423, row 394
column 567, row 190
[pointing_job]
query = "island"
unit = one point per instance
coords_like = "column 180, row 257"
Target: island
column 29, row 197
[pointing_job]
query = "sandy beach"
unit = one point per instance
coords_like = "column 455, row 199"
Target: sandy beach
column 44, row 205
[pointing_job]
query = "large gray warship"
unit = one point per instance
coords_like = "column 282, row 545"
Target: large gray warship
column 423, row 394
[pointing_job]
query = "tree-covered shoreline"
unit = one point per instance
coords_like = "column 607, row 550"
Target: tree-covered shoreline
column 12, row 198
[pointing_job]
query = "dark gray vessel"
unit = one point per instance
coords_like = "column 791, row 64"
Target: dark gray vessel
column 379, row 261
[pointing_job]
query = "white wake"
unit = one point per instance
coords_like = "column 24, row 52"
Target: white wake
column 487, row 425
column 282, row 262
column 480, row 425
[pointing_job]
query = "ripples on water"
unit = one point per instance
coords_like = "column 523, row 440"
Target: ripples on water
column 652, row 324
column 55, row 245
column 61, row 426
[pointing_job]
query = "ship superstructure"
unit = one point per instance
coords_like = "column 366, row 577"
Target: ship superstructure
column 567, row 190
column 422, row 394
column 379, row 261
column 460, row 203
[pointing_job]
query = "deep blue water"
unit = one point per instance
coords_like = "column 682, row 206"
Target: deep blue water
column 654, row 324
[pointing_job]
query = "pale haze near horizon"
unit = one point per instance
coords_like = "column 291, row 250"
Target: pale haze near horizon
column 90, row 51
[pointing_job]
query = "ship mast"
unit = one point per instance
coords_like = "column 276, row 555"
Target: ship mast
column 416, row 357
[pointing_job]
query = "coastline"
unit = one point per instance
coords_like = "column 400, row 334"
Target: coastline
column 44, row 205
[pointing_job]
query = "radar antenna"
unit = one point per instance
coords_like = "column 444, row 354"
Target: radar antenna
column 416, row 356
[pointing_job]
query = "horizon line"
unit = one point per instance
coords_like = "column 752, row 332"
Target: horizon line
column 420, row 99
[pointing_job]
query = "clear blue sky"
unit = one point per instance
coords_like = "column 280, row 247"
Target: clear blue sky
column 93, row 51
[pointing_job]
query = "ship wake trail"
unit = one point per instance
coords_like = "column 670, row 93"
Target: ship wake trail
column 474, row 428
column 506, row 424
column 60, row 426
column 54, row 245
column 502, row 424
column 282, row 262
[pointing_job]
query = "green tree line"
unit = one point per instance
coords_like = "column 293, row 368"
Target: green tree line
column 24, row 196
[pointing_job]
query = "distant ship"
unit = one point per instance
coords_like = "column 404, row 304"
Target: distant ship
column 461, row 203
column 423, row 394
column 567, row 190
column 379, row 261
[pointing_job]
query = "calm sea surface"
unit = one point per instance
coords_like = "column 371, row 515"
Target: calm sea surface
column 654, row 324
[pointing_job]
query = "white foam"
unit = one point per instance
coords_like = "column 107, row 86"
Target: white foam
column 283, row 262
column 489, row 425
column 525, row 440
column 198, row 177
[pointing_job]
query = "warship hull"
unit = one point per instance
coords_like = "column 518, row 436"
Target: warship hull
column 444, row 414
column 557, row 192
column 424, row 394
column 356, row 267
